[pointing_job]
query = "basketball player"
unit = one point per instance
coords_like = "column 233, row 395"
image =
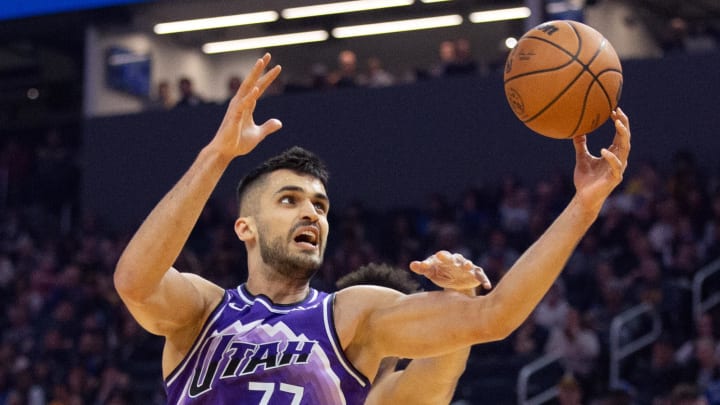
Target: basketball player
column 274, row 340
column 431, row 380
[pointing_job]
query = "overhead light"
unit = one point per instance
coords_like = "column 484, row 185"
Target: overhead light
column 215, row 22
column 265, row 42
column 341, row 7
column 515, row 13
column 397, row 26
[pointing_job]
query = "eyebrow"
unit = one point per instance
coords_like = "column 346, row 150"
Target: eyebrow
column 298, row 189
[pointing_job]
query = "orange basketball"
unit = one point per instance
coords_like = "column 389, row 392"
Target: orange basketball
column 562, row 79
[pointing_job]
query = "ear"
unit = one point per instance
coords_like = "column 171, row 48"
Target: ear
column 245, row 229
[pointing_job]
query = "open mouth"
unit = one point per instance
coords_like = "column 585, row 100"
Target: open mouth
column 307, row 236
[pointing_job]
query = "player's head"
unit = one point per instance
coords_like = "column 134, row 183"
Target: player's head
column 380, row 274
column 296, row 159
column 282, row 206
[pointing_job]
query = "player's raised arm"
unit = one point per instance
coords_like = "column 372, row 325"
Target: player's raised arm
column 159, row 297
column 430, row 324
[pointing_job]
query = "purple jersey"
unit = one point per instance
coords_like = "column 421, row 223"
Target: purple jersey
column 252, row 351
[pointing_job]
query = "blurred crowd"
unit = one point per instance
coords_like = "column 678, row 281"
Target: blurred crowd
column 65, row 338
column 678, row 36
column 454, row 58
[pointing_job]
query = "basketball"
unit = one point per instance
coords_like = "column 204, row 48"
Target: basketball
column 562, row 79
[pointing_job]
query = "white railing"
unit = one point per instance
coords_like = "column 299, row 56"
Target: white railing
column 524, row 380
column 619, row 350
column 701, row 305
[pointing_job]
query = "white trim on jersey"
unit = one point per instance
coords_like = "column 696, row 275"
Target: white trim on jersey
column 339, row 353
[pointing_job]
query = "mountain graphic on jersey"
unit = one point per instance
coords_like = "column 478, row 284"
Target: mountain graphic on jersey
column 252, row 351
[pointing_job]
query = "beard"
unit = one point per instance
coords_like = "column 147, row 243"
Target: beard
column 297, row 266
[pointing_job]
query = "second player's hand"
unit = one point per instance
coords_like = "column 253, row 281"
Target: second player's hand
column 238, row 134
column 451, row 271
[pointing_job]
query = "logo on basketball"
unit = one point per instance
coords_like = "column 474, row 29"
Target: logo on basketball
column 548, row 29
column 516, row 102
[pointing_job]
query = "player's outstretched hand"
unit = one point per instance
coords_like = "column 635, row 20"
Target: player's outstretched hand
column 238, row 134
column 596, row 177
column 452, row 271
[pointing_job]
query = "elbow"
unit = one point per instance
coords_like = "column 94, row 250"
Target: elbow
column 122, row 281
column 126, row 284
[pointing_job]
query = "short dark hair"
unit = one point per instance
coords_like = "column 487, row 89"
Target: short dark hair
column 383, row 275
column 296, row 159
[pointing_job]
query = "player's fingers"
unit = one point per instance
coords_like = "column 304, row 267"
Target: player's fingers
column 482, row 278
column 622, row 139
column 266, row 80
column 580, row 144
column 614, row 163
column 270, row 126
column 443, row 256
column 254, row 74
column 620, row 114
column 419, row 267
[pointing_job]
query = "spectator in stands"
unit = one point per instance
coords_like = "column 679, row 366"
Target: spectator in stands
column 346, row 74
column 463, row 63
column 376, row 75
column 688, row 394
column 705, row 327
column 703, row 369
column 578, row 346
column 530, row 339
column 498, row 256
column 163, row 99
column 233, row 84
column 710, row 244
column 552, row 312
column 569, row 391
column 446, row 58
column 654, row 378
column 188, row 96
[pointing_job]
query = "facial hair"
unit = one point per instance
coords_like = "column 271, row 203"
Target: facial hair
column 274, row 252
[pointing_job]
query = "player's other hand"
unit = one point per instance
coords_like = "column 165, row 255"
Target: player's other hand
column 452, row 271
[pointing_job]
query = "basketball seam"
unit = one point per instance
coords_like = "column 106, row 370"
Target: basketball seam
column 586, row 68
column 573, row 58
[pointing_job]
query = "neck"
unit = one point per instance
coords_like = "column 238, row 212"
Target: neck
column 280, row 289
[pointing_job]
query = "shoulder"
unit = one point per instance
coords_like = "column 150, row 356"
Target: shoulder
column 365, row 297
column 354, row 304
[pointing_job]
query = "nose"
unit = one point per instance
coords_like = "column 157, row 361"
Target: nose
column 309, row 212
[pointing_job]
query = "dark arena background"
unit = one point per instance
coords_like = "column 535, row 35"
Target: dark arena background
column 424, row 153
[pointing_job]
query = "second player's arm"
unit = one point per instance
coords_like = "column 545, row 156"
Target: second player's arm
column 426, row 381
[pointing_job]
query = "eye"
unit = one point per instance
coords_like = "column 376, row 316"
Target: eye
column 320, row 207
column 287, row 200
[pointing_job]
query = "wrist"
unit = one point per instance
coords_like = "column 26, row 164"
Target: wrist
column 470, row 292
column 584, row 212
column 215, row 155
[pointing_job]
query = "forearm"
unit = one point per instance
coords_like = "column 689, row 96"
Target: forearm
column 435, row 378
column 159, row 240
column 532, row 275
